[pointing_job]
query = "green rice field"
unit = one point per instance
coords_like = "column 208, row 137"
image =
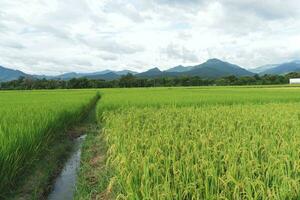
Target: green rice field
column 203, row 143
column 29, row 121
column 163, row 143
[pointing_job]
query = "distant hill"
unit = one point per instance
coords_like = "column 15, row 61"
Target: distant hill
column 106, row 76
column 154, row 72
column 157, row 73
column 212, row 68
column 179, row 68
column 10, row 74
column 125, row 72
column 296, row 61
column 284, row 68
column 263, row 68
column 215, row 68
column 67, row 76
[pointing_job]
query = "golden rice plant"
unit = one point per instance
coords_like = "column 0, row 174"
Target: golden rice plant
column 234, row 151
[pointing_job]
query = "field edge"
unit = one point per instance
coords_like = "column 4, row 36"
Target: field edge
column 94, row 177
column 38, row 184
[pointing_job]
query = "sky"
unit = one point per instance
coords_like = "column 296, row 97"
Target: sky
column 58, row 36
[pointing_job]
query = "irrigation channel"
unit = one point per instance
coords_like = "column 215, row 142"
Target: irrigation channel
column 64, row 185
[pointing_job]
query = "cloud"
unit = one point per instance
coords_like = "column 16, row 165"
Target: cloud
column 46, row 29
column 111, row 45
column 267, row 9
column 189, row 5
column 11, row 44
column 119, row 48
column 183, row 54
column 56, row 36
column 128, row 10
column 108, row 57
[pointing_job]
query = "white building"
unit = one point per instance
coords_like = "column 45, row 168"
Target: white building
column 294, row 80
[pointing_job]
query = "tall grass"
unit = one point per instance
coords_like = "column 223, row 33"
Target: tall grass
column 29, row 121
column 211, row 144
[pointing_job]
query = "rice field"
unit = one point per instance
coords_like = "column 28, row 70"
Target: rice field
column 196, row 96
column 29, row 121
column 202, row 143
column 163, row 143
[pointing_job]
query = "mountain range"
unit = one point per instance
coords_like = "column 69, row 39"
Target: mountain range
column 10, row 74
column 212, row 68
column 263, row 68
column 279, row 69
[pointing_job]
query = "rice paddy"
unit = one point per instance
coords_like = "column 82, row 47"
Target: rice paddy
column 202, row 143
column 29, row 121
column 163, row 143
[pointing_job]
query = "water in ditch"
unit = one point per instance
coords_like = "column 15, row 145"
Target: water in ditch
column 64, row 186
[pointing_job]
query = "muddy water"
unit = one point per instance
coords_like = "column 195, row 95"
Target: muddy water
column 65, row 183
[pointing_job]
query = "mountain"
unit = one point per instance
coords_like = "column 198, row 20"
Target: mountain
column 67, row 76
column 154, row 72
column 215, row 68
column 106, row 76
column 212, row 68
column 263, row 68
column 297, row 61
column 179, row 68
column 10, row 74
column 98, row 73
column 284, row 68
column 125, row 72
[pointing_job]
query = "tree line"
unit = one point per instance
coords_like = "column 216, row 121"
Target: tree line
column 130, row 80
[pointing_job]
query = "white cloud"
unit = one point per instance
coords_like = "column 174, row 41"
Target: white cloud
column 181, row 54
column 51, row 37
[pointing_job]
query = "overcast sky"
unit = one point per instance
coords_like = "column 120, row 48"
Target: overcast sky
column 56, row 36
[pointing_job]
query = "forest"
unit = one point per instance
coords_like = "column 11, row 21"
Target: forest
column 129, row 80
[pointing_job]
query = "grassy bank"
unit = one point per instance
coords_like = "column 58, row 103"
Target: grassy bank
column 94, row 176
column 38, row 181
column 34, row 124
